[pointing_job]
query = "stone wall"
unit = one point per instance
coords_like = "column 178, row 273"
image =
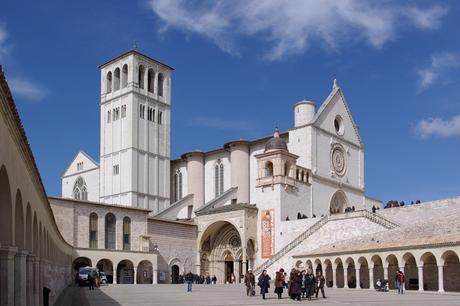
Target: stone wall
column 177, row 245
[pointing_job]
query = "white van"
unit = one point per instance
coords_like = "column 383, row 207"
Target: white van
column 83, row 275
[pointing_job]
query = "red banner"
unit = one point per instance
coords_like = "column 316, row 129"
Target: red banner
column 268, row 230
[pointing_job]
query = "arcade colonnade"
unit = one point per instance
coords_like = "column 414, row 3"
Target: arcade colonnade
column 33, row 254
column 120, row 267
column 434, row 269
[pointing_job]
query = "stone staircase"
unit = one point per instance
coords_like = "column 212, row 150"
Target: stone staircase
column 384, row 222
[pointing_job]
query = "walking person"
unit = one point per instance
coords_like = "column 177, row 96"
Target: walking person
column 189, row 281
column 91, row 280
column 250, row 282
column 279, row 283
column 296, row 285
column 400, row 281
column 309, row 284
column 264, row 283
column 320, row 280
column 304, row 289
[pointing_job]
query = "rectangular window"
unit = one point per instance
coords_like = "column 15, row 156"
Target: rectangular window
column 79, row 166
column 116, row 169
column 160, row 117
column 142, row 111
column 123, row 111
column 109, row 115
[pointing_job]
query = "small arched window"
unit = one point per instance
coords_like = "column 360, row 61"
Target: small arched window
column 80, row 191
column 150, row 80
column 116, row 79
column 178, row 185
column 219, row 178
column 287, row 168
column 269, row 169
column 140, row 78
column 109, row 82
column 110, row 232
column 126, row 234
column 93, row 231
column 160, row 84
column 124, row 76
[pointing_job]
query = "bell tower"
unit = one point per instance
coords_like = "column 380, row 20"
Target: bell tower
column 135, row 131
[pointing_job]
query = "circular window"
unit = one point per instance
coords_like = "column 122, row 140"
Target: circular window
column 338, row 124
column 338, row 160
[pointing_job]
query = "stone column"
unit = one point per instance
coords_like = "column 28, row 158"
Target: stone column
column 385, row 273
column 244, row 261
column 198, row 264
column 7, row 255
column 345, row 278
column 155, row 276
column 114, row 276
column 36, row 281
column 358, row 285
column 236, row 271
column 30, row 260
column 135, row 276
column 40, row 280
column 20, row 278
column 334, row 277
column 440, row 279
column 371, row 278
column 420, row 278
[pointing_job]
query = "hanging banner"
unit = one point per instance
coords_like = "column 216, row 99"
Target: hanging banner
column 268, row 233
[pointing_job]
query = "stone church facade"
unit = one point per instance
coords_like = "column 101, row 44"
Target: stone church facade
column 292, row 199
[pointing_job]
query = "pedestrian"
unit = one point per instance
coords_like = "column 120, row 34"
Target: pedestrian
column 296, row 285
column 309, row 284
column 279, row 283
column 286, row 281
column 264, row 283
column 400, row 281
column 304, row 276
column 320, row 284
column 189, row 281
column 250, row 282
column 91, row 280
column 214, row 280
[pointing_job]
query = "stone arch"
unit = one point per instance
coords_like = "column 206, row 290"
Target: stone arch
column 409, row 263
column 377, row 268
column 150, row 80
column 109, row 82
column 364, row 281
column 177, row 268
column 144, row 273
column 451, row 271
column 318, row 266
column 351, row 272
column 36, row 242
column 125, row 272
column 140, row 76
column 328, row 274
column 116, row 79
column 110, row 231
column 19, row 240
column 339, row 273
column 309, row 264
column 430, row 271
column 338, row 202
column 6, row 205
column 299, row 265
column 392, row 265
column 29, row 233
column 268, row 169
column 106, row 265
column 81, row 262
column 124, row 76
column 160, row 86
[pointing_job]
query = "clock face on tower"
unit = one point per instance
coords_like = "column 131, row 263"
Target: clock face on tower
column 338, row 160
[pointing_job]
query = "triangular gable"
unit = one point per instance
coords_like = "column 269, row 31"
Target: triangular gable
column 335, row 104
column 88, row 162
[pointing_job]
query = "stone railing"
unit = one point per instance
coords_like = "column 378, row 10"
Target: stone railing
column 291, row 245
column 321, row 222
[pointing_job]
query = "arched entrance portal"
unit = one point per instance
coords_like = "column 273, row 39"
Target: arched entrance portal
column 106, row 266
column 338, row 203
column 221, row 252
column 81, row 262
column 175, row 274
column 145, row 272
column 125, row 272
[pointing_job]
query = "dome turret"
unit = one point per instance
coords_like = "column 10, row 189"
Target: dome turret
column 276, row 143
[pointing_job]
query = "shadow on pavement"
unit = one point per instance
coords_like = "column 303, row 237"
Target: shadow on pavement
column 78, row 296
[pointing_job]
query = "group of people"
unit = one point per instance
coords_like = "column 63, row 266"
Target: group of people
column 301, row 284
column 191, row 278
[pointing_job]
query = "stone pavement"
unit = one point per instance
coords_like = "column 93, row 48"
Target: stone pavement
column 217, row 295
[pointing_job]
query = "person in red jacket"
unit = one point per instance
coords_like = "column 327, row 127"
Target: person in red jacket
column 400, row 281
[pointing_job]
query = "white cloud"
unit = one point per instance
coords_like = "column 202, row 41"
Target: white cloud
column 438, row 127
column 440, row 64
column 27, row 89
column 3, row 37
column 290, row 27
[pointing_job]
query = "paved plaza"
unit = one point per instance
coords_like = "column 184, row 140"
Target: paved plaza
column 217, row 295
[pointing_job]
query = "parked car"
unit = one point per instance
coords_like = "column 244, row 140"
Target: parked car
column 83, row 275
column 103, row 278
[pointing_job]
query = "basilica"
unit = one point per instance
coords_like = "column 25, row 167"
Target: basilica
column 295, row 198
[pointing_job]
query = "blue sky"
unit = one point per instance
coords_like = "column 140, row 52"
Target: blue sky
column 240, row 66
